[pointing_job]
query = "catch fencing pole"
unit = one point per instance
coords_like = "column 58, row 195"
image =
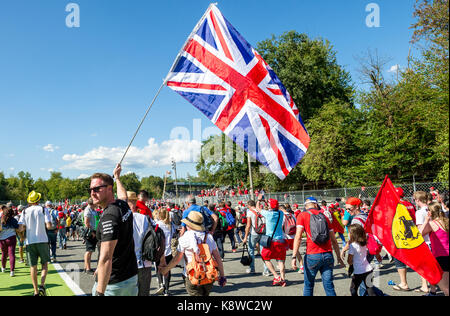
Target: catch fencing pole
column 142, row 121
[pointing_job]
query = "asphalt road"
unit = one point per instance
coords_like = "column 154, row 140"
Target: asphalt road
column 238, row 282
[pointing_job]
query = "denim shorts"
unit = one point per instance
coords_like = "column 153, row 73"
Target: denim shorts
column 399, row 264
column 125, row 288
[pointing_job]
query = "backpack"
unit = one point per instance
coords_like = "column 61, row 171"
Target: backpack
column 260, row 225
column 320, row 233
column 203, row 267
column 153, row 244
column 222, row 224
column 62, row 223
column 177, row 216
column 290, row 224
column 230, row 219
column 243, row 218
column 207, row 219
column 373, row 246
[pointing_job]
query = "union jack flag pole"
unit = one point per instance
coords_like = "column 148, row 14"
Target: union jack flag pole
column 221, row 74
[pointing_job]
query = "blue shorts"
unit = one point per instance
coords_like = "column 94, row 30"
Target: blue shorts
column 125, row 288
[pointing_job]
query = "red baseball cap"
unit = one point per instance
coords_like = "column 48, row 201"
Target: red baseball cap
column 273, row 203
column 353, row 201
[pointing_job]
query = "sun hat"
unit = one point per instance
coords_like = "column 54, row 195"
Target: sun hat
column 194, row 221
column 131, row 196
column 33, row 197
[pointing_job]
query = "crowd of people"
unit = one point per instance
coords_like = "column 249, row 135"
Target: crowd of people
column 134, row 235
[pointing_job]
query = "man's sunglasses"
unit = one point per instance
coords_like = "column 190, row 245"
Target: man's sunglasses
column 97, row 189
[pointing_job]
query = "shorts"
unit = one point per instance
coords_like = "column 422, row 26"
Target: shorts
column 91, row 244
column 39, row 250
column 125, row 288
column 197, row 290
column 276, row 251
column 443, row 262
column 399, row 264
column 290, row 244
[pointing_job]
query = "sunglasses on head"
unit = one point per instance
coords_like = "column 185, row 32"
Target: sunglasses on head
column 97, row 189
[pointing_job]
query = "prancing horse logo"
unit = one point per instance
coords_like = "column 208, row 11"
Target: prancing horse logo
column 405, row 233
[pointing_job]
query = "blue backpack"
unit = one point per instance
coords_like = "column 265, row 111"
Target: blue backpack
column 230, row 218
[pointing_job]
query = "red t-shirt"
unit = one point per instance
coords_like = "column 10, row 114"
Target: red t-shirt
column 143, row 209
column 312, row 248
column 411, row 209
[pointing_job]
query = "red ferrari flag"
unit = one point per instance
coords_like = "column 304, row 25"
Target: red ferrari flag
column 391, row 222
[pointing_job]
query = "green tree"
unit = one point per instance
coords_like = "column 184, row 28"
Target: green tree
column 308, row 69
column 131, row 182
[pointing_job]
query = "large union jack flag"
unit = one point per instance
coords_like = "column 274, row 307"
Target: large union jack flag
column 226, row 79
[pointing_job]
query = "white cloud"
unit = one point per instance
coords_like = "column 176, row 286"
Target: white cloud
column 152, row 155
column 83, row 176
column 394, row 68
column 50, row 148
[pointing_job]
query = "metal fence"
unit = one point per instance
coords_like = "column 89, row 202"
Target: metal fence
column 297, row 197
column 329, row 195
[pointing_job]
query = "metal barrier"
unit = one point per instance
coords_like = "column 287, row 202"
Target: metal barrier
column 329, row 195
column 297, row 197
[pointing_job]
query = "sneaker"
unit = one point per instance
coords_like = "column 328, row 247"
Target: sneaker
column 3, row 270
column 276, row 281
column 301, row 270
column 266, row 273
column 42, row 291
column 11, row 273
column 22, row 261
column 282, row 283
column 160, row 290
column 234, row 250
column 249, row 271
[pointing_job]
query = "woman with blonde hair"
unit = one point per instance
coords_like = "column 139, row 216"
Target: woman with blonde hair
column 162, row 219
column 437, row 226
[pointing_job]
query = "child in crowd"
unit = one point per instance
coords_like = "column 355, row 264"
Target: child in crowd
column 162, row 218
column 357, row 259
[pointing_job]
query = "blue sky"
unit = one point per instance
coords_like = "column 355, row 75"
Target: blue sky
column 72, row 98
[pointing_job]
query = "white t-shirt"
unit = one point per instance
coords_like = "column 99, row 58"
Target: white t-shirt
column 140, row 226
column 168, row 237
column 421, row 215
column 188, row 244
column 360, row 263
column 34, row 218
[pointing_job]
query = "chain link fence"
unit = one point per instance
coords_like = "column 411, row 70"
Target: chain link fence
column 297, row 197
column 329, row 195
